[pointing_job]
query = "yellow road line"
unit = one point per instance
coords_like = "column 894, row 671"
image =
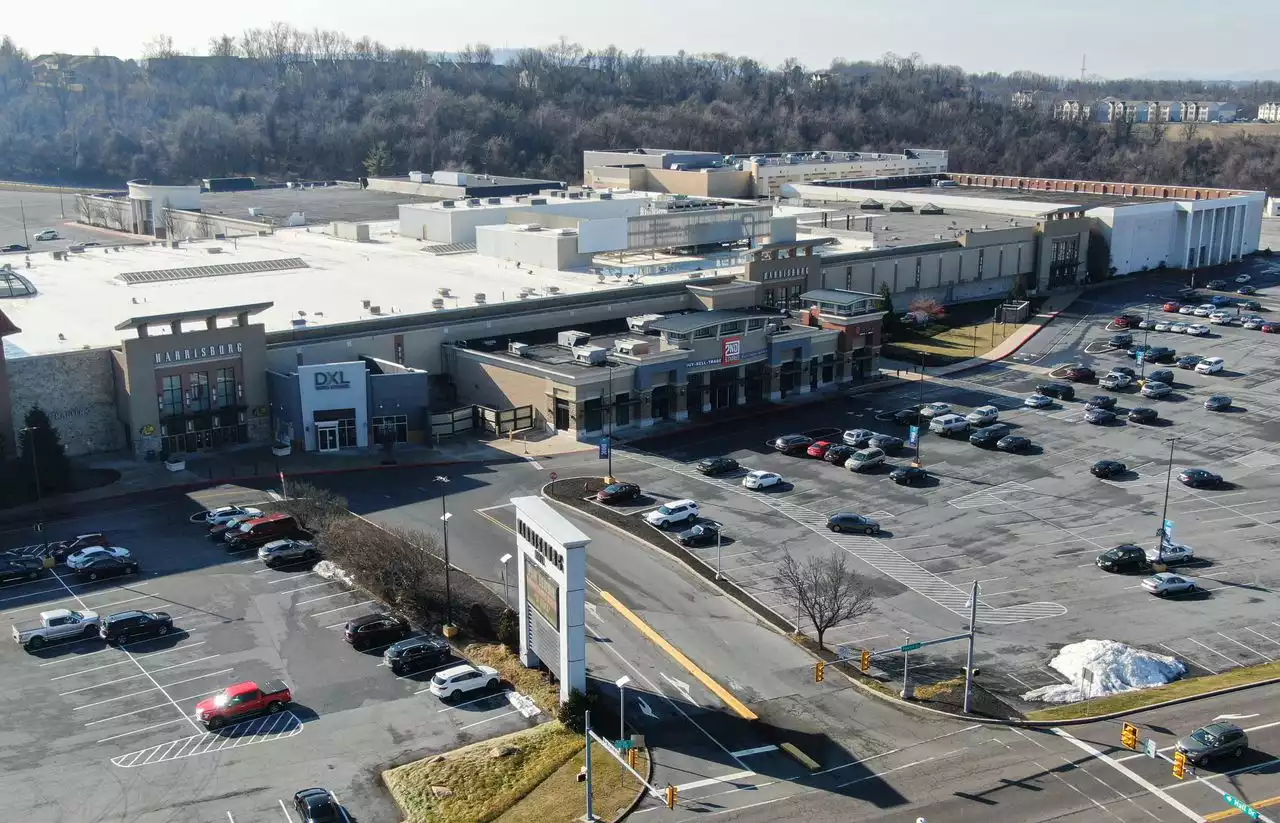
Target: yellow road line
column 1261, row 804
column 705, row 679
column 495, row 521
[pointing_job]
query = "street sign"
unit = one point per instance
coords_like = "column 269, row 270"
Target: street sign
column 554, row 475
column 604, row 448
column 1168, row 531
column 1141, row 355
column 1241, row 805
column 913, row 436
column 910, row 647
column 623, row 745
column 38, row 526
column 1151, row 747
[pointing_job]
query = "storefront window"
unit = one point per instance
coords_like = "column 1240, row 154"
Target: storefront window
column 226, row 387
column 394, row 428
column 200, row 400
column 171, row 396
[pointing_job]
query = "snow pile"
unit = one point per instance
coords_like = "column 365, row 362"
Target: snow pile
column 1115, row 666
column 329, row 571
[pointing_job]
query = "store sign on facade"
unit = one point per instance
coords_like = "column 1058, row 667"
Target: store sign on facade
column 172, row 356
column 732, row 351
column 330, row 380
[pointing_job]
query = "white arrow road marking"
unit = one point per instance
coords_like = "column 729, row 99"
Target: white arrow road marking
column 645, row 710
column 1234, row 716
column 681, row 687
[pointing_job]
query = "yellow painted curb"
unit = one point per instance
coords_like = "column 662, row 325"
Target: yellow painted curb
column 804, row 759
column 705, row 679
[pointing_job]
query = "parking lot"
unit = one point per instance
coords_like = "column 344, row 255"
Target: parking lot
column 43, row 210
column 1026, row 526
column 120, row 720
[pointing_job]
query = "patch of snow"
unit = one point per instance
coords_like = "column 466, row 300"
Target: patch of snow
column 1115, row 667
column 330, row 571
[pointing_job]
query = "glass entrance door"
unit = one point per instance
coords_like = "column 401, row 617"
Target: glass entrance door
column 327, row 437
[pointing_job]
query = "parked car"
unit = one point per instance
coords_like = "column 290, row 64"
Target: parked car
column 1246, row 290
column 945, row 424
column 989, row 436
column 369, row 631
column 1115, row 382
column 20, row 568
column 1171, row 554
column 1121, row 341
column 1270, row 328
column 1142, row 414
column 618, row 493
column 262, row 530
column 932, row 410
column 1163, row 584
column 57, row 624
column 1108, row 468
column 1210, row 365
column 836, row 455
column 1172, row 306
column 1205, row 309
column 1156, row 389
column 124, row 627
column 865, row 460
column 1243, row 278
column 222, row 531
column 1159, row 376
column 417, row 653
column 818, row 448
column 61, row 549
column 243, row 700
column 1101, row 401
column 1099, row 417
column 908, row 475
column 1126, row 558
column 1147, row 323
column 1013, row 443
column 1215, row 740
column 1220, row 318
column 1199, row 478
column 1081, row 374
column 792, row 443
column 14, row 247
column 1059, row 391
column 761, row 480
column 705, row 533
column 286, row 551
column 1038, row 401
column 717, row 465
column 463, row 679
column 1189, row 361
column 849, row 522
column 1162, row 325
column 222, row 514
column 1125, row 321
column 1187, row 310
column 79, row 559
column 106, row 566
column 318, row 805
column 857, row 437
column 983, row 416
column 1180, row 328
column 1198, row 330
column 1250, row 305
column 907, row 417
column 670, row 514
column 1125, row 370
column 1253, row 323
column 46, row 234
column 885, row 442
column 1216, row 284
column 1217, row 402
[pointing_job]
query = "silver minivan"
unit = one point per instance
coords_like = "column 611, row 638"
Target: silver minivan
column 864, row 459
column 948, row 424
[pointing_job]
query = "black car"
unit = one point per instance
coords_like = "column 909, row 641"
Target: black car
column 1099, row 417
column 1217, row 402
column 703, row 534
column 1108, row 468
column 1251, row 305
column 14, row 247
column 908, row 417
column 1160, row 376
column 886, row 442
column 1121, row 341
column 1142, row 414
column 373, row 630
column 908, row 475
column 988, row 436
column 416, row 654
column 1216, row 285
column 123, row 627
column 618, row 493
column 1125, row 370
column 839, row 453
column 106, row 566
column 1126, row 558
column 1246, row 290
column 1189, row 361
column 20, row 568
column 1160, row 354
column 1060, row 391
column 1190, row 296
column 1199, row 478
column 318, row 806
column 1081, row 374
column 792, row 443
column 1101, row 401
column 849, row 522
column 717, row 465
column 1013, row 443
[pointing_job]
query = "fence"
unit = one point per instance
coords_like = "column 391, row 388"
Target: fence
column 504, row 421
column 454, row 421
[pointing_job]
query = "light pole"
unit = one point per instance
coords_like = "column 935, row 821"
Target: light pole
column 29, row 431
column 609, row 437
column 1164, row 514
column 506, row 594
column 621, row 683
column 444, row 519
column 919, row 428
column 61, row 208
column 973, row 630
column 719, row 536
column 906, row 666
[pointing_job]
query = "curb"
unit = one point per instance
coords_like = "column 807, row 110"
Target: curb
column 978, row 362
column 644, row 790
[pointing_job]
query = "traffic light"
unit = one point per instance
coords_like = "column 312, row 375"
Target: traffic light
column 866, row 660
column 1179, row 765
column 672, row 793
column 819, row 671
column 1129, row 736
column 631, row 757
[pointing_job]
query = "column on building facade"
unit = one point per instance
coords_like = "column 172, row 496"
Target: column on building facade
column 773, row 382
column 806, row 374
column 742, row 385
column 844, row 367
column 682, row 402
column 646, row 409
column 577, row 414
column 704, row 397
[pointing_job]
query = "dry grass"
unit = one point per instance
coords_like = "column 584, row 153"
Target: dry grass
column 962, row 341
column 1187, row 687
column 1215, row 131
column 529, row 682
column 483, row 787
column 944, row 691
column 561, row 798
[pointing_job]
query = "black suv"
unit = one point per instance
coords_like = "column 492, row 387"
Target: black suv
column 717, row 465
column 989, row 436
column 416, row 654
column 372, row 630
column 792, row 443
column 123, row 627
column 1061, row 391
column 1126, row 558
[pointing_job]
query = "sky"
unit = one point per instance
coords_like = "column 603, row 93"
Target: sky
column 1224, row 39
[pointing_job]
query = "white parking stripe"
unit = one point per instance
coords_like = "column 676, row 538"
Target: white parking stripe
column 1263, row 636
column 304, row 588
column 1255, row 652
column 148, row 709
column 489, row 719
column 136, row 676
column 318, row 599
column 340, row 608
column 157, row 687
column 1218, row 653
column 144, row 728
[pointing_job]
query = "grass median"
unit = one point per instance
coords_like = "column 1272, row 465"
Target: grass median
column 1141, row 699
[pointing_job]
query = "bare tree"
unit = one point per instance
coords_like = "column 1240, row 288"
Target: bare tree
column 168, row 220
column 826, row 590
column 160, row 46
column 1190, row 129
column 82, row 208
column 204, row 225
column 929, row 308
column 222, row 46
column 315, row 508
column 97, row 212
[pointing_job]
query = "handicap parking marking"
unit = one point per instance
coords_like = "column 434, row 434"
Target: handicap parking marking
column 259, row 730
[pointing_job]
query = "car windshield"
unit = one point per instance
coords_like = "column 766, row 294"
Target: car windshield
column 222, row 699
column 1204, row 736
column 1112, row 554
column 666, row 510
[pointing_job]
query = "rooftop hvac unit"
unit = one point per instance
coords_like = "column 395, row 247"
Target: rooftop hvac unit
column 376, row 309
column 494, row 201
column 447, row 204
column 524, row 295
column 419, row 177
column 518, row 349
column 475, row 201
column 575, row 195
column 640, row 323
column 632, row 347
column 526, row 291
column 771, row 328
column 553, row 289
column 606, row 195
column 537, row 201
column 589, row 355
column 570, row 339
column 437, row 302
column 443, row 291
column 480, row 298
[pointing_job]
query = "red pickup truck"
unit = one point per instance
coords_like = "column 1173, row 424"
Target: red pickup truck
column 243, row 700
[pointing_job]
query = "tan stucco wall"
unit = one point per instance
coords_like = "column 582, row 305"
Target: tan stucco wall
column 77, row 391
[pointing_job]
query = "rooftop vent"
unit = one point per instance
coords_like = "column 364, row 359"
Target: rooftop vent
column 871, row 205
column 553, row 289
column 443, row 291
column 447, row 204
column 537, row 201
column 632, row 347
column 494, row 201
column 570, row 339
column 590, row 355
column 606, row 195
column 518, row 349
column 475, row 201
column 480, row 298
column 437, row 302
column 900, row 206
column 930, row 208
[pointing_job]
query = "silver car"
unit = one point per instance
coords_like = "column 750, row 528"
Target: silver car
column 1214, row 740
column 1038, row 401
column 1163, row 584
column 1154, row 389
column 283, row 552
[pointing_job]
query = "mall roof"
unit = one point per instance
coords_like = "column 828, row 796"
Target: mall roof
column 80, row 301
column 6, row 326
column 699, row 319
column 192, row 314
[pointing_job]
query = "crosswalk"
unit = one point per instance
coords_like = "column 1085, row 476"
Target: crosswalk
column 258, row 730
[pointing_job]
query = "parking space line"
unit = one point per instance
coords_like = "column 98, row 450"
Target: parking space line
column 290, row 577
column 1218, row 653
column 340, row 608
column 1255, row 652
column 136, row 676
column 144, row 728
column 488, row 719
column 147, row 709
column 304, row 588
column 285, row 809
column 157, row 687
column 318, row 599
column 1263, row 636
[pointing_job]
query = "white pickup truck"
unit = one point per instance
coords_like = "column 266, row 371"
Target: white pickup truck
column 57, row 624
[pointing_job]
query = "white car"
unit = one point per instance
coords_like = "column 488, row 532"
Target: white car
column 1146, row 323
column 80, row 559
column 1210, row 365
column 1198, row 330
column 1038, row 401
column 1220, row 318
column 222, row 514
column 1115, row 381
column 1243, row 278
column 1204, row 310
column 1163, row 584
column 1162, row 325
column 1171, row 554
column 1178, row 328
column 761, row 480
column 935, row 410
column 1187, row 310
column 1253, row 323
column 983, row 416
column 857, row 437
column 47, row 234
column 462, row 679
column 677, row 511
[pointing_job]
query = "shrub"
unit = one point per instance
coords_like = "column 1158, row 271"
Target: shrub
column 314, row 507
column 573, row 711
column 478, row 622
column 509, row 630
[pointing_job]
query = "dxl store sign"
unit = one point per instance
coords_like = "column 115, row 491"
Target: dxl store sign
column 329, row 380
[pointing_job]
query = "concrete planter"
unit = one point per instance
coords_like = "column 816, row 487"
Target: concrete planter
column 175, row 464
column 449, row 630
column 282, row 449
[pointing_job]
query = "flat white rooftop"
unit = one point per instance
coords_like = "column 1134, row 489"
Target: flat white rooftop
column 79, row 301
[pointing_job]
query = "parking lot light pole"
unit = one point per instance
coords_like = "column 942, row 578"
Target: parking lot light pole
column 1164, row 514
column 719, row 535
column 444, row 520
column 621, row 683
column 29, row 431
column 506, row 594
column 609, row 436
column 919, row 419
column 973, row 630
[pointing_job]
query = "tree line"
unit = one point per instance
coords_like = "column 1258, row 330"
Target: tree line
column 280, row 103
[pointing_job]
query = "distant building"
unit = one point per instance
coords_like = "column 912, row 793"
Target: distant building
column 1025, row 99
column 1269, row 112
column 1068, row 109
column 1111, row 110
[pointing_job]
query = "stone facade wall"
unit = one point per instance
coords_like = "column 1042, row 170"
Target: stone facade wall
column 77, row 391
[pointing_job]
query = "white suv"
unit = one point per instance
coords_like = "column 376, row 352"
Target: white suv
column 1210, row 365
column 677, row 511
column 948, row 424
column 983, row 415
column 463, row 678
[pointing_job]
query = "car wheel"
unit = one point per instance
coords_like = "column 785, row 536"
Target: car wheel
column 870, row 530
column 492, row 684
column 215, row 723
column 835, row 528
column 1238, row 752
column 272, row 708
column 90, row 631
column 309, row 555
column 163, row 630
column 32, row 575
column 130, row 569
column 93, row 576
column 35, row 642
